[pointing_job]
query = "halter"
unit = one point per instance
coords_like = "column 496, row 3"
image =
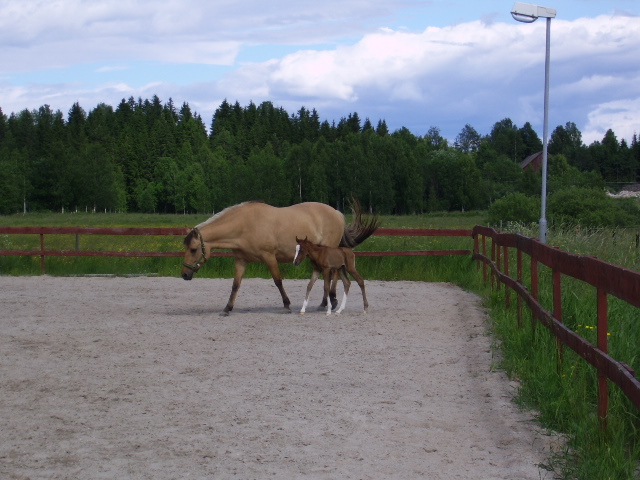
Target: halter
column 203, row 258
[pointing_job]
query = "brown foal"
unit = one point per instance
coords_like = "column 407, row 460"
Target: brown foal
column 330, row 261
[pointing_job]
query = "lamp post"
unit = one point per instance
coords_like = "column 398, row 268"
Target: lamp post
column 528, row 13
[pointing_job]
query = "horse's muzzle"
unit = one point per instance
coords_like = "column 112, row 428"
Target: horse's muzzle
column 187, row 274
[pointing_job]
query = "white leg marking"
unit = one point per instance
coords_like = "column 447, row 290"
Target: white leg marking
column 343, row 304
column 304, row 305
column 328, row 306
column 296, row 255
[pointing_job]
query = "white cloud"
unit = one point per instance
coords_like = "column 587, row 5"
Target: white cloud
column 36, row 34
column 473, row 73
column 471, row 70
column 621, row 116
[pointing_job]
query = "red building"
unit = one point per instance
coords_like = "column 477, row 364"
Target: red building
column 532, row 162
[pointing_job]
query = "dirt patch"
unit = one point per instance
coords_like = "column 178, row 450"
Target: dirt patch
column 141, row 378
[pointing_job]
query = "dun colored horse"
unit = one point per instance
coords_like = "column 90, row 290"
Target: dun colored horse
column 329, row 261
column 257, row 232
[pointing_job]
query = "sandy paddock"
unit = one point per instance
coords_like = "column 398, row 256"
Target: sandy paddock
column 140, row 378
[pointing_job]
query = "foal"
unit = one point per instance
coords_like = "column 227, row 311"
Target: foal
column 330, row 262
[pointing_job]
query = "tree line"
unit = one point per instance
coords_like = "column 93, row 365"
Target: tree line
column 150, row 156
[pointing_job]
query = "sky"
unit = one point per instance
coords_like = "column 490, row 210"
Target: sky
column 413, row 63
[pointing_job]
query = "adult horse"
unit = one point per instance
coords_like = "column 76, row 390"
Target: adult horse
column 257, row 232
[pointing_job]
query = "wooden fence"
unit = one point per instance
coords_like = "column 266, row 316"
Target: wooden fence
column 43, row 252
column 608, row 279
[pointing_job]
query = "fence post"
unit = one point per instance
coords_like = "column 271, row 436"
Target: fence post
column 603, row 344
column 519, row 274
column 557, row 311
column 42, row 253
column 493, row 259
column 476, row 250
column 534, row 288
column 484, row 253
column 498, row 264
column 506, row 272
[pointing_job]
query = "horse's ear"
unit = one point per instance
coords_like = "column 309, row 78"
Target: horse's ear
column 188, row 230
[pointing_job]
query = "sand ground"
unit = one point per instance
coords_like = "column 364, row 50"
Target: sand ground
column 141, row 378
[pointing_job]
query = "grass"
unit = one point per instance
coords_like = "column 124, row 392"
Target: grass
column 563, row 388
column 413, row 268
column 563, row 393
column 620, row 246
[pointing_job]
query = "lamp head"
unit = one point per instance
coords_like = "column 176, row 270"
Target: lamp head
column 528, row 13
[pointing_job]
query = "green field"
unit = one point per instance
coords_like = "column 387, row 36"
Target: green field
column 563, row 393
column 414, row 268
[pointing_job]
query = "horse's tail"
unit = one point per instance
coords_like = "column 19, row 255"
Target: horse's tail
column 358, row 230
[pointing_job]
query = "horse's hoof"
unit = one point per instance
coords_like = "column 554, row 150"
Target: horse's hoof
column 224, row 314
column 301, row 313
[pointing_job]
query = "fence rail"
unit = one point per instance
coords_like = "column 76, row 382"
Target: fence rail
column 608, row 279
column 43, row 252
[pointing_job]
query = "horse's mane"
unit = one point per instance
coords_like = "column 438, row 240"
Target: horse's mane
column 225, row 211
column 192, row 234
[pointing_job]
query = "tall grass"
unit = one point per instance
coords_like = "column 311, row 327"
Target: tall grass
column 563, row 387
column 620, row 246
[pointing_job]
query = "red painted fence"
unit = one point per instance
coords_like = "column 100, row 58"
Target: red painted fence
column 44, row 252
column 608, row 279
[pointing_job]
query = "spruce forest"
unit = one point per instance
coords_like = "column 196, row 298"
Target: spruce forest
column 149, row 156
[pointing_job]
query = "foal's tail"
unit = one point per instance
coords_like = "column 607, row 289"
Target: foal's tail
column 358, row 230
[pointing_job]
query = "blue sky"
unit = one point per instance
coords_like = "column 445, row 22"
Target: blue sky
column 413, row 63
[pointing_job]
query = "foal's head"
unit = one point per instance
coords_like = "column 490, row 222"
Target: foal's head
column 302, row 250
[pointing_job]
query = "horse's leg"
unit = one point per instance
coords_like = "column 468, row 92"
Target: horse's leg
column 272, row 264
column 346, row 283
column 240, row 267
column 314, row 277
column 351, row 268
column 327, row 274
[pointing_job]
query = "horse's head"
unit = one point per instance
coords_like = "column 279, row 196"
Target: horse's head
column 301, row 251
column 195, row 254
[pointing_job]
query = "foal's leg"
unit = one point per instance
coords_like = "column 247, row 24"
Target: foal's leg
column 314, row 277
column 272, row 264
column 240, row 267
column 332, row 293
column 346, row 283
column 327, row 274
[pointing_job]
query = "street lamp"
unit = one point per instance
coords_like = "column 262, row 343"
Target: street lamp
column 528, row 13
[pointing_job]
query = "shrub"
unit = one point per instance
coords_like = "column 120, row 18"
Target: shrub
column 592, row 207
column 514, row 207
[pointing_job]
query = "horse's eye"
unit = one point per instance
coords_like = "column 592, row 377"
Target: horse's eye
column 193, row 250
